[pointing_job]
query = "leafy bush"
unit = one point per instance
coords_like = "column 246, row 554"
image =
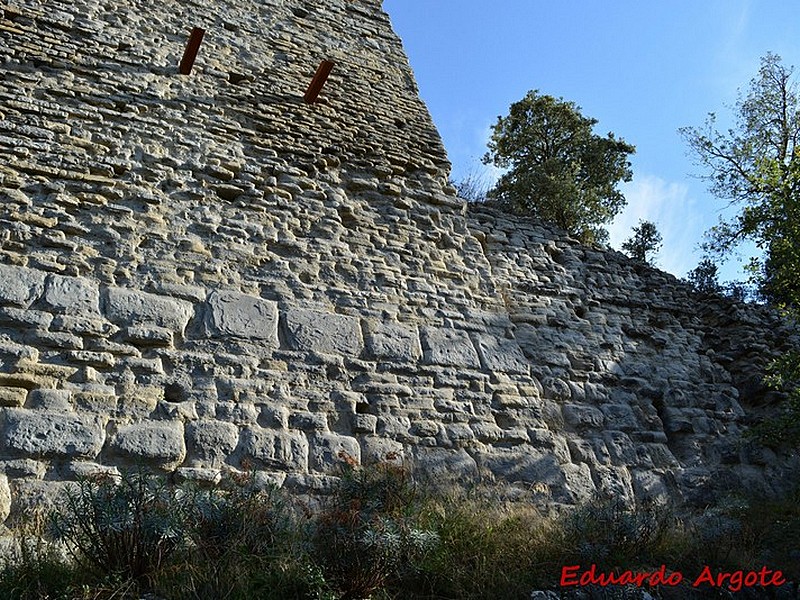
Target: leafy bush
column 128, row 527
column 610, row 533
column 245, row 542
column 782, row 429
column 367, row 536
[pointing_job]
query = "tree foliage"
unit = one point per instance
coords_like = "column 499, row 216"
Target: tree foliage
column 704, row 277
column 557, row 169
column 645, row 242
column 756, row 165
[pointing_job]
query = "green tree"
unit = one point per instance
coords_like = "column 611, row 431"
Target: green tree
column 557, row 169
column 756, row 165
column 645, row 242
column 704, row 277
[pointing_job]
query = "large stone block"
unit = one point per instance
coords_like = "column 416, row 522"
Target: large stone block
column 47, row 433
column 275, row 450
column 231, row 314
column 613, row 482
column 131, row 307
column 20, row 286
column 621, row 417
column 157, row 442
column 498, row 354
column 210, row 441
column 445, row 465
column 393, row 342
column 73, row 295
column 523, row 464
column 581, row 416
column 579, row 485
column 324, row 332
column 328, row 451
column 451, row 347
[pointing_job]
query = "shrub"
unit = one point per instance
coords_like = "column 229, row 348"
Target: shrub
column 367, row 537
column 610, row 533
column 33, row 568
column 128, row 528
column 245, row 542
column 487, row 550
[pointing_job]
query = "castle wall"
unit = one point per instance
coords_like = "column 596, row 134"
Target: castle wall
column 203, row 274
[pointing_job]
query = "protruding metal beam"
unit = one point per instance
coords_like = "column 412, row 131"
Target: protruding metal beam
column 191, row 50
column 320, row 77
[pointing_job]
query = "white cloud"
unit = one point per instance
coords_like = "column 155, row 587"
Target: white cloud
column 677, row 216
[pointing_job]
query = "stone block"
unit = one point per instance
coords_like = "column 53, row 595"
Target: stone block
column 85, row 326
column 364, row 423
column 651, row 486
column 328, row 451
column 143, row 335
column 231, row 314
column 73, row 295
column 211, row 442
column 392, row 342
column 613, row 482
column 523, row 464
column 20, row 286
column 498, row 354
column 323, row 332
column 620, row 447
column 451, row 347
column 308, row 421
column 275, row 450
column 156, row 442
column 13, row 396
column 678, row 420
column 198, row 476
column 581, row 416
column 378, row 449
column 487, row 433
column 131, row 307
column 578, row 483
column 81, row 469
column 56, row 400
column 620, row 417
column 458, row 433
column 443, row 465
column 48, row 433
column 5, row 498
column 424, row 428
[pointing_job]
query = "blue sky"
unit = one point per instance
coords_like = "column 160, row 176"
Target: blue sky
column 641, row 68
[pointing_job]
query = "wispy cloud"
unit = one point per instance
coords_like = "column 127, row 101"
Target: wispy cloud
column 679, row 219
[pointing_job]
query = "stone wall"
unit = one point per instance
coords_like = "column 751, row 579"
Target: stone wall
column 204, row 274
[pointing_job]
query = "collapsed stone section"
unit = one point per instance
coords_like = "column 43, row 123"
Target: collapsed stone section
column 204, row 274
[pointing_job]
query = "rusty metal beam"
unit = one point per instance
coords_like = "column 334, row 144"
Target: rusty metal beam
column 191, row 50
column 320, row 77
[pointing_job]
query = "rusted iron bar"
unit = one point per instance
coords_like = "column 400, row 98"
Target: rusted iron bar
column 191, row 50
column 320, row 77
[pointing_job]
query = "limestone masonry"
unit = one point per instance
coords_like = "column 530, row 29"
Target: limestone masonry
column 204, row 273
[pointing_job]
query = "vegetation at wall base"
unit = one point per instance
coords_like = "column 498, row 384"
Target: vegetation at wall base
column 379, row 535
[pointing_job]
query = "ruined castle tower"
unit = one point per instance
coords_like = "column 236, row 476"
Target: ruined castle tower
column 206, row 273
